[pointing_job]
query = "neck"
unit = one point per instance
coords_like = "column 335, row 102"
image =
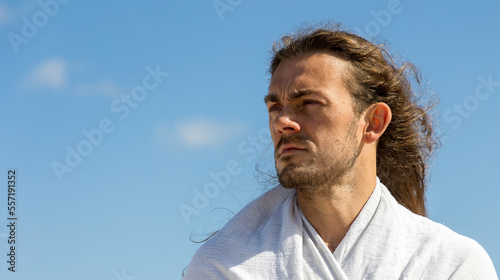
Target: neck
column 332, row 213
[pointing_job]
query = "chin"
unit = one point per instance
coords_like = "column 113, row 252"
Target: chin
column 293, row 176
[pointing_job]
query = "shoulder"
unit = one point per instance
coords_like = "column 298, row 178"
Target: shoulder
column 448, row 253
column 239, row 239
column 438, row 249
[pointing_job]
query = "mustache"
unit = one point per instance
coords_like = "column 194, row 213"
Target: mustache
column 293, row 139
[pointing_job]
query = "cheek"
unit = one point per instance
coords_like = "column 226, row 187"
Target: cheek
column 274, row 135
column 327, row 133
column 328, row 140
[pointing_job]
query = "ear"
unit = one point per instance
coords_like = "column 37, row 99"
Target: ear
column 377, row 118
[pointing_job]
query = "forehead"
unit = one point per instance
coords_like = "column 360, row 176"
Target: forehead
column 318, row 70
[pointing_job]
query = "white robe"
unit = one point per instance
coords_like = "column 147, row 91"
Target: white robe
column 271, row 239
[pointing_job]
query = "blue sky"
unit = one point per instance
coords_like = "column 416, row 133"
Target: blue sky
column 120, row 116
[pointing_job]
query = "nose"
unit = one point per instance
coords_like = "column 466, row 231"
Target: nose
column 286, row 122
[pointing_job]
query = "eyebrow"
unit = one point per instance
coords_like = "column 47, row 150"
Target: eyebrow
column 273, row 97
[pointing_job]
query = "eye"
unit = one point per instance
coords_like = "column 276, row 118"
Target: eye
column 310, row 101
column 274, row 107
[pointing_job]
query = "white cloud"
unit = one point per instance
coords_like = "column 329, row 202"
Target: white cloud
column 12, row 13
column 198, row 133
column 50, row 74
column 5, row 14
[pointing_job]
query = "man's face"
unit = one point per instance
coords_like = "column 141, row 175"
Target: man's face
column 312, row 123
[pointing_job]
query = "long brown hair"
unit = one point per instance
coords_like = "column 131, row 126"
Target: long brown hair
column 407, row 145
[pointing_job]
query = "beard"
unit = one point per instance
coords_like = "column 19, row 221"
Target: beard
column 316, row 176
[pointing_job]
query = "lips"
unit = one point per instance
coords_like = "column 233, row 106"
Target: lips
column 290, row 148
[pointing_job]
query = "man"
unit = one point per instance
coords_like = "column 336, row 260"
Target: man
column 351, row 153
